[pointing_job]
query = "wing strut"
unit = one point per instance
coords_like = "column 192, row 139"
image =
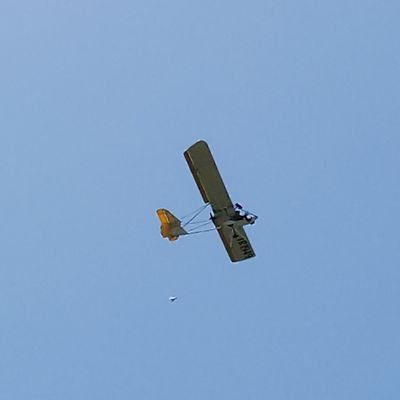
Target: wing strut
column 196, row 213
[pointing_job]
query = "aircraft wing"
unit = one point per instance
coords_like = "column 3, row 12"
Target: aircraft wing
column 213, row 191
column 238, row 248
column 208, row 178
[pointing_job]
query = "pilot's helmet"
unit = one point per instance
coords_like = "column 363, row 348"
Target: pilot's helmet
column 248, row 217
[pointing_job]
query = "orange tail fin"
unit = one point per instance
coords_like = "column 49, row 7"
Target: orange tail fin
column 171, row 227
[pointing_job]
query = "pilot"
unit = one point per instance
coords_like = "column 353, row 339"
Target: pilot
column 239, row 211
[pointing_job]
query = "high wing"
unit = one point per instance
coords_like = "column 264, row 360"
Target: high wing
column 208, row 178
column 213, row 191
column 237, row 246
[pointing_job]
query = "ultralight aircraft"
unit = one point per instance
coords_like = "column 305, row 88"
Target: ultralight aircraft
column 229, row 219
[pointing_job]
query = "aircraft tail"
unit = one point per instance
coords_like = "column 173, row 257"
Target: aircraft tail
column 171, row 227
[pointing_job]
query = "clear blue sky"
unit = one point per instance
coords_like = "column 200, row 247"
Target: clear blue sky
column 299, row 102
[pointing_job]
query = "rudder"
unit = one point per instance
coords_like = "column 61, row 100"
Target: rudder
column 170, row 225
